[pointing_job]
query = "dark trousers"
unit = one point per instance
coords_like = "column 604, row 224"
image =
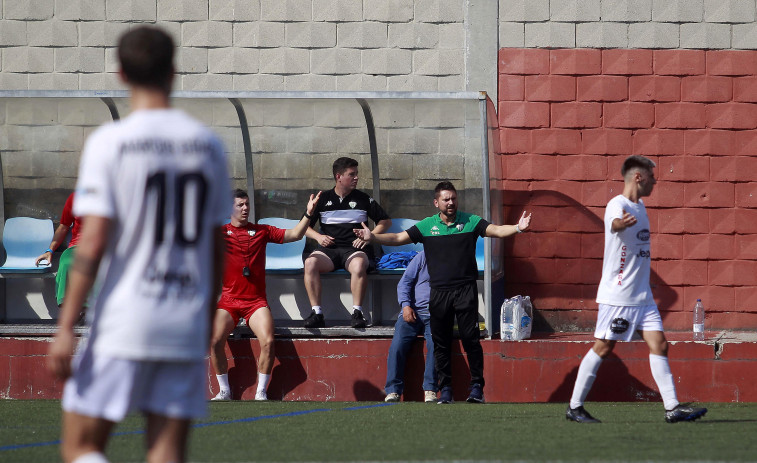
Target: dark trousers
column 445, row 305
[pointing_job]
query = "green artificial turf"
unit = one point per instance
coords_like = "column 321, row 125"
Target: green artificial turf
column 338, row 431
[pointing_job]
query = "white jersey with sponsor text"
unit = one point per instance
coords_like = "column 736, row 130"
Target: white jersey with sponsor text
column 161, row 177
column 627, row 258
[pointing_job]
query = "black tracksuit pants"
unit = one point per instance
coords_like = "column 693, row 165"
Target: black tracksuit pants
column 444, row 306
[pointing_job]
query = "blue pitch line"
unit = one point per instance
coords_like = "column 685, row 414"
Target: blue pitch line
column 258, row 418
column 23, row 446
column 360, row 407
column 57, row 442
column 202, row 425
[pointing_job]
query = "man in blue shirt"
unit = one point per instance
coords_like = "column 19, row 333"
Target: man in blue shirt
column 413, row 293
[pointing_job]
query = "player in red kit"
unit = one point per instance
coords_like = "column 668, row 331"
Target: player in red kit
column 243, row 295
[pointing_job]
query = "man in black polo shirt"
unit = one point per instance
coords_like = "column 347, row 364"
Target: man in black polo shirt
column 449, row 239
column 340, row 211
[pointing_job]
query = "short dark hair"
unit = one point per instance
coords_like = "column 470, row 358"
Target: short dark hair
column 636, row 162
column 240, row 193
column 443, row 186
column 146, row 57
column 342, row 164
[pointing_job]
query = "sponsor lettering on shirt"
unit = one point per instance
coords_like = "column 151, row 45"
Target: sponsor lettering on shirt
column 164, row 146
column 622, row 265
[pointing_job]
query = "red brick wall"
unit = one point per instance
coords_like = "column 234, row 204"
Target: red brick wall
column 568, row 118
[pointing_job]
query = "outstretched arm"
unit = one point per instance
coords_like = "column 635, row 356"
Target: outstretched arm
column 503, row 231
column 621, row 224
column 296, row 233
column 380, row 227
column 389, row 239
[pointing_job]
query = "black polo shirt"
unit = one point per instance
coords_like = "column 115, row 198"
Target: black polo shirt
column 339, row 216
column 450, row 249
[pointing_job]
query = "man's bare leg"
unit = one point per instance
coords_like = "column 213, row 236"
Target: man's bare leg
column 166, row 439
column 83, row 435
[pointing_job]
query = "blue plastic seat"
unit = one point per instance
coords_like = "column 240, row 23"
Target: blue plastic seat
column 286, row 257
column 24, row 239
column 400, row 225
column 480, row 259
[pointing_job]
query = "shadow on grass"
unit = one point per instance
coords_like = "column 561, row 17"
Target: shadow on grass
column 611, row 374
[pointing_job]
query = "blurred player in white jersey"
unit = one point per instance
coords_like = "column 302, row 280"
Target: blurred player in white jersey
column 626, row 304
column 153, row 191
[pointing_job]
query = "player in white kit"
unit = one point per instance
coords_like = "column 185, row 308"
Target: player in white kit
column 153, row 191
column 626, row 304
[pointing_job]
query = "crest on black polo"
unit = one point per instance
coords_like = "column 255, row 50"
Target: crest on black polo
column 619, row 325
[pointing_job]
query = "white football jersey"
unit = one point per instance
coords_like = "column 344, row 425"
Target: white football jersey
column 627, row 259
column 161, row 177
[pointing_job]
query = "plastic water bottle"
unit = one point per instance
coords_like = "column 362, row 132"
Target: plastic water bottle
column 507, row 330
column 699, row 321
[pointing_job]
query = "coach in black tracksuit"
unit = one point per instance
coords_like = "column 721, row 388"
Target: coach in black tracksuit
column 449, row 240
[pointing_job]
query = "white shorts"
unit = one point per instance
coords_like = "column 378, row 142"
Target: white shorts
column 109, row 388
column 619, row 323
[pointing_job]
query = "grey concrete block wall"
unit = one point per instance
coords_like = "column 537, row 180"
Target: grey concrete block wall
column 550, row 34
column 708, row 35
column 248, row 44
column 59, row 37
column 693, row 24
column 653, row 35
column 53, row 33
column 86, row 10
column 626, row 11
column 678, row 11
column 602, row 35
column 729, row 11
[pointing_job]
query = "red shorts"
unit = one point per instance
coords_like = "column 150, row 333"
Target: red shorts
column 241, row 308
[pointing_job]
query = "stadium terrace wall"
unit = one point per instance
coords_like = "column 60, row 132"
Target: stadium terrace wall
column 272, row 45
column 541, row 370
column 568, row 118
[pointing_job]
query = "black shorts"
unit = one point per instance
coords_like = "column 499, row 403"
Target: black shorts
column 339, row 256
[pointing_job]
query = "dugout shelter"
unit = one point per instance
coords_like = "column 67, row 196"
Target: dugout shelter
column 280, row 149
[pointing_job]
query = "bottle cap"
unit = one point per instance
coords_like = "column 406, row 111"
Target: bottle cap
column 699, row 300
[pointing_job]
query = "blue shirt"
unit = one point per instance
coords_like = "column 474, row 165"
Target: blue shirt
column 413, row 289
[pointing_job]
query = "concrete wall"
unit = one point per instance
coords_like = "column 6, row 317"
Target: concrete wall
column 695, row 24
column 399, row 45
column 542, row 370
